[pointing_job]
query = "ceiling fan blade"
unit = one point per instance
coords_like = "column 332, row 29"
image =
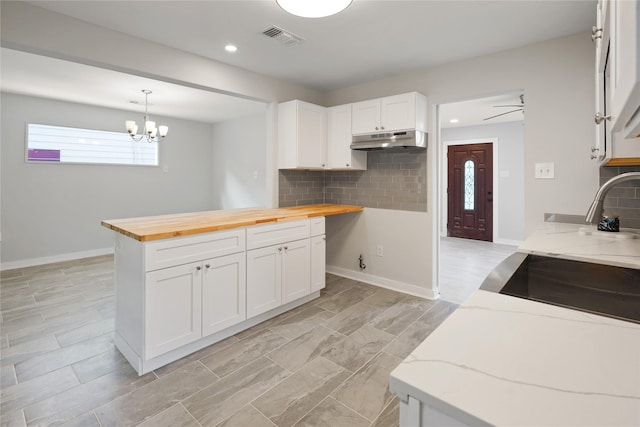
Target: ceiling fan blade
column 502, row 114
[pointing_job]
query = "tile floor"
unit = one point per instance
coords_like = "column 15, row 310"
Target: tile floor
column 465, row 263
column 326, row 363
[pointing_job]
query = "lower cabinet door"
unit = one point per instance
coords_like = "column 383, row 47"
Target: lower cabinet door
column 264, row 269
column 296, row 270
column 172, row 308
column 223, row 293
column 318, row 262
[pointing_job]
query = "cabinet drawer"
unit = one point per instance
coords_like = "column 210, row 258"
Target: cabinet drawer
column 168, row 253
column 317, row 226
column 272, row 234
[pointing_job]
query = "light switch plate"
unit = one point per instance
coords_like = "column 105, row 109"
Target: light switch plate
column 545, row 170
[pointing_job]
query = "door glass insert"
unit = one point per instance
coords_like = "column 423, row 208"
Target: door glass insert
column 469, row 190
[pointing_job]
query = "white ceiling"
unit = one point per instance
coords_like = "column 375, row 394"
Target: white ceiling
column 370, row 40
column 482, row 111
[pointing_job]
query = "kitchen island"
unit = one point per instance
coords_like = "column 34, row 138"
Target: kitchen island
column 502, row 360
column 186, row 281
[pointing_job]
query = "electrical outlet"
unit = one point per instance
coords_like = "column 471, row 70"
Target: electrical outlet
column 379, row 250
column 545, row 170
column 165, row 169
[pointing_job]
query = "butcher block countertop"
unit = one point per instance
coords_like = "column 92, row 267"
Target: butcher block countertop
column 166, row 226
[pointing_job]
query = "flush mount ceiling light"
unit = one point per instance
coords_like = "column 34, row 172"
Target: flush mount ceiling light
column 313, row 8
column 230, row 48
column 150, row 131
column 454, row 121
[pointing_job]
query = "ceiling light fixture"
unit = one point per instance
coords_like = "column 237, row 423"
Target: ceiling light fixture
column 230, row 48
column 454, row 121
column 151, row 132
column 313, row 8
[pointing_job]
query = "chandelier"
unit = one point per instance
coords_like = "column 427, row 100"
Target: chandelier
column 313, row 8
column 150, row 131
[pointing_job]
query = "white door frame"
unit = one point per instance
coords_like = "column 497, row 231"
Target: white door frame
column 443, row 180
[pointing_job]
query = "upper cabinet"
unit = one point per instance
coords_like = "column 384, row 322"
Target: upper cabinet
column 340, row 155
column 390, row 114
column 617, row 38
column 302, row 135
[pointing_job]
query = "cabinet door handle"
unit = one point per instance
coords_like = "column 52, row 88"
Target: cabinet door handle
column 207, row 266
column 376, row 127
column 324, row 237
column 198, row 268
column 596, row 33
column 382, row 127
column 347, row 164
column 280, row 249
column 600, row 118
column 286, row 247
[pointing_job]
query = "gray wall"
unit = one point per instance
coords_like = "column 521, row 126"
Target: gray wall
column 393, row 180
column 49, row 210
column 238, row 162
column 510, row 208
column 624, row 199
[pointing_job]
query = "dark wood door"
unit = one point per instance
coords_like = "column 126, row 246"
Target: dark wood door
column 470, row 191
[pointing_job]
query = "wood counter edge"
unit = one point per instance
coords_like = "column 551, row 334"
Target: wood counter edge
column 316, row 211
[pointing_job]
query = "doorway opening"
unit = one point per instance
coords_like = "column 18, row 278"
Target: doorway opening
column 481, row 189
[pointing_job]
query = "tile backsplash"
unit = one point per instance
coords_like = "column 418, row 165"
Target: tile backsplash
column 624, row 199
column 393, row 180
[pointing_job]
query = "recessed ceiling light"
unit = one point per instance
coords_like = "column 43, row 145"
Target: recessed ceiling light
column 313, row 8
column 230, row 48
column 454, row 121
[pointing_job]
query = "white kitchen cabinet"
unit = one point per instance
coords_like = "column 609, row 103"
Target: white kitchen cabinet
column 318, row 262
column 173, row 308
column 625, row 27
column 617, row 38
column 339, row 136
column 188, row 302
column 296, row 270
column 302, row 135
column 318, row 253
column 223, row 292
column 390, row 114
column 264, row 279
column 277, row 275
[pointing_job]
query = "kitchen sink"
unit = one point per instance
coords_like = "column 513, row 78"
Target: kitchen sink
column 594, row 288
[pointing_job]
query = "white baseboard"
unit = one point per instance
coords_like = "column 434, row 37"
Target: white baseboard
column 10, row 265
column 384, row 283
column 508, row 242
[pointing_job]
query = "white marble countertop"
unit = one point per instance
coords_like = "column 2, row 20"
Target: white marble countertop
column 502, row 360
column 508, row 361
column 585, row 243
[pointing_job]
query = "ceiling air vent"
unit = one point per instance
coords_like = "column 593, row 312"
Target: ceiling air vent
column 283, row 36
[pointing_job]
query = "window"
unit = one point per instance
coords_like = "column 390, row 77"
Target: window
column 57, row 144
column 469, row 188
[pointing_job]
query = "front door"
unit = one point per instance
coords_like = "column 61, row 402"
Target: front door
column 470, row 191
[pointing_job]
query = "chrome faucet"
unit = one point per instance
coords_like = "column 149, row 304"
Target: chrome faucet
column 597, row 207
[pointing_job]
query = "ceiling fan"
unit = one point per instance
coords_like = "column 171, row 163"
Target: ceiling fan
column 520, row 107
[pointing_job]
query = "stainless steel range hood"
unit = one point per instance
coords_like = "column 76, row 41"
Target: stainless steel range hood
column 410, row 139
